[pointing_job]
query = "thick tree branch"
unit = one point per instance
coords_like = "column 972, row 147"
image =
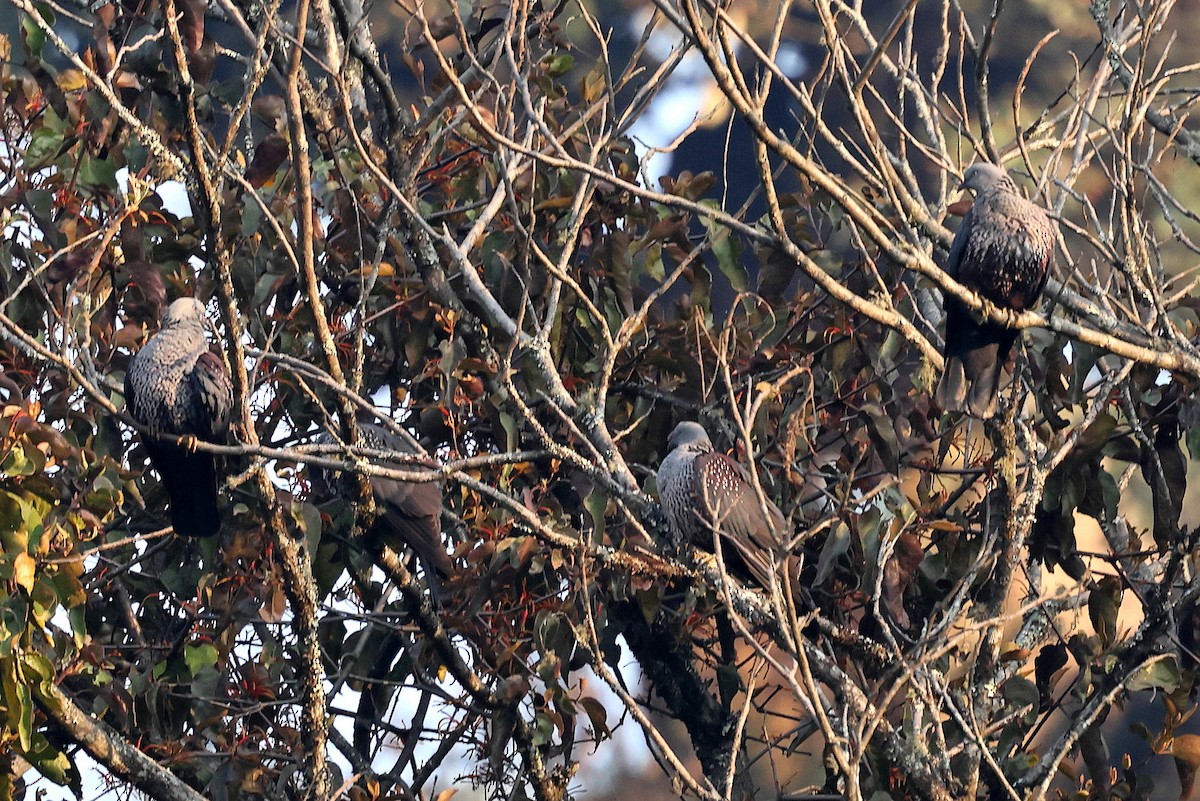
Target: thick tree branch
column 108, row 747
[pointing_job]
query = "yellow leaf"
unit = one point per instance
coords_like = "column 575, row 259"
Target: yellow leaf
column 1186, row 747
column 71, row 80
column 560, row 202
column 24, row 568
column 1011, row 652
column 386, row 270
column 275, row 606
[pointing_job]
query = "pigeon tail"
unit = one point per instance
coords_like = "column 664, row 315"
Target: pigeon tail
column 982, row 368
column 952, row 389
column 191, row 483
column 976, row 353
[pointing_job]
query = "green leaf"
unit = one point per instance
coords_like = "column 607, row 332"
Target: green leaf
column 13, row 516
column 78, row 618
column 1020, row 692
column 557, row 65
column 44, row 145
column 308, row 520
column 8, row 688
column 24, row 708
column 97, row 172
column 553, row 634
column 35, row 38
column 595, row 504
column 52, row 763
column 597, row 716
column 1162, row 675
column 44, row 601
column 728, row 250
column 15, row 464
column 39, row 667
column 654, row 264
column 828, row 260
column 251, row 218
column 837, row 544
column 327, row 567
column 136, row 155
column 199, row 657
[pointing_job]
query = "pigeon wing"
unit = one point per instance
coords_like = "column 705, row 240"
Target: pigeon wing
column 733, row 510
column 211, row 397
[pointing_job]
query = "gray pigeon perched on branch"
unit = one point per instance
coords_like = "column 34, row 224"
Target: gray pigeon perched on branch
column 176, row 386
column 705, row 494
column 409, row 514
column 409, row 511
column 1002, row 251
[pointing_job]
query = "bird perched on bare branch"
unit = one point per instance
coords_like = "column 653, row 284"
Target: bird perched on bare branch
column 1002, row 251
column 705, row 495
column 176, row 386
column 409, row 511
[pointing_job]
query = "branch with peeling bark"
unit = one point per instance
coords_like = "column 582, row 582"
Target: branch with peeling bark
column 108, row 747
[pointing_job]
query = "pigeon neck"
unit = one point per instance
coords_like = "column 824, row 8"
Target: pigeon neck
column 1004, row 184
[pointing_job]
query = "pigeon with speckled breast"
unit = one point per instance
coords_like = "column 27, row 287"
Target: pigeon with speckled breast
column 705, row 494
column 176, row 386
column 1002, row 251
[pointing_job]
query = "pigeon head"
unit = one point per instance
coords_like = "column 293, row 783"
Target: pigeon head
column 691, row 436
column 982, row 176
column 185, row 311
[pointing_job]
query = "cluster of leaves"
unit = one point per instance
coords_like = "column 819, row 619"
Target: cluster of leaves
column 54, row 499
